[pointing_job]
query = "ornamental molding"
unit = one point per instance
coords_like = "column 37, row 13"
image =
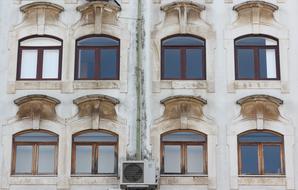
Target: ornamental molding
column 41, row 13
column 255, row 12
column 37, row 107
column 99, row 13
column 260, row 107
column 183, row 107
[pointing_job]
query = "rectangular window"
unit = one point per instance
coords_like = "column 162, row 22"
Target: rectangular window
column 195, row 162
column 272, row 161
column 46, row 159
column 87, row 63
column 29, row 64
column 83, row 159
column 172, row 64
column 267, row 63
column 249, row 159
column 246, row 69
column 106, row 159
column 24, row 155
column 194, row 63
column 108, row 60
column 172, row 159
column 50, row 64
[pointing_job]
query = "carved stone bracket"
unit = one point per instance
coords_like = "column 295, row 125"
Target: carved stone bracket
column 41, row 13
column 260, row 107
column 185, row 10
column 255, row 12
column 183, row 107
column 98, row 13
column 36, row 107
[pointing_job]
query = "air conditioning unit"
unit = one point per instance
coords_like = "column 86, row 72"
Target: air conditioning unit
column 138, row 174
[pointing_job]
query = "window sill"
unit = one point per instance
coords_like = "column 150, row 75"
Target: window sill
column 93, row 84
column 183, row 179
column 257, row 84
column 181, row 84
column 93, row 180
column 33, row 179
column 276, row 180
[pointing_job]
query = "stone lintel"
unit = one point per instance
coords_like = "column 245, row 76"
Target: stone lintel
column 41, row 5
column 108, row 5
column 178, row 4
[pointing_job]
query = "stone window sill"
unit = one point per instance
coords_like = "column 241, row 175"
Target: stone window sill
column 182, row 84
column 279, row 180
column 258, row 84
column 183, row 179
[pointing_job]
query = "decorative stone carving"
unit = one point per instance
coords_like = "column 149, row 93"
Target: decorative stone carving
column 36, row 106
column 255, row 12
column 183, row 107
column 260, row 107
column 182, row 12
column 101, row 105
column 41, row 13
column 99, row 13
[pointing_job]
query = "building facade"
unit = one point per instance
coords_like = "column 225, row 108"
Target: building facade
column 204, row 89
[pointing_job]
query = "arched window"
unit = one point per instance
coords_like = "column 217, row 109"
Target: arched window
column 40, row 58
column 183, row 58
column 97, row 58
column 95, row 152
column 35, row 153
column 184, row 152
column 261, row 153
column 257, row 58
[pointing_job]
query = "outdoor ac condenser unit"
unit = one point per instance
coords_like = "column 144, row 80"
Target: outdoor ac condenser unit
column 138, row 174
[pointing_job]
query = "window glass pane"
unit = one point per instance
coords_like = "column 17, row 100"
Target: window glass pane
column 172, row 69
column 249, row 159
column 83, row 159
column 50, row 66
column 260, row 137
column 272, row 160
column 98, row 41
column 23, row 159
column 106, row 159
column 29, row 64
column 183, row 41
column 195, row 159
column 172, row 159
column 267, row 63
column 108, row 63
column 194, row 63
column 245, row 59
column 256, row 41
column 95, row 137
column 86, row 63
column 36, row 137
column 184, row 136
column 41, row 41
column 46, row 159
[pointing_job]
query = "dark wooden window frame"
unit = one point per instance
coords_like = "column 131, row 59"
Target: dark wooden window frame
column 97, row 50
column 256, row 49
column 261, row 164
column 183, row 57
column 40, row 50
column 183, row 157
column 95, row 145
column 35, row 155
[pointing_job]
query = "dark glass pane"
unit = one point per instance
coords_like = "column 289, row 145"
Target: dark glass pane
column 195, row 159
column 95, row 137
column 172, row 69
column 249, row 159
column 245, row 60
column 260, row 137
column 267, row 63
column 172, row 159
column 183, row 41
column 106, row 159
column 46, row 159
column 36, row 137
column 24, row 159
column 184, row 136
column 83, row 159
column 256, row 41
column 98, row 41
column 108, row 63
column 194, row 64
column 272, row 160
column 86, row 63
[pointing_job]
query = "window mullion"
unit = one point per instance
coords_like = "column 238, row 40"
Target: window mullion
column 257, row 64
column 40, row 52
column 35, row 159
column 183, row 63
column 183, row 160
column 97, row 63
column 261, row 159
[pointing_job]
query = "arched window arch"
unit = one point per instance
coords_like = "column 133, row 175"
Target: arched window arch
column 39, row 58
column 261, row 153
column 97, row 58
column 183, row 58
column 257, row 58
column 35, row 152
column 94, row 152
column 183, row 152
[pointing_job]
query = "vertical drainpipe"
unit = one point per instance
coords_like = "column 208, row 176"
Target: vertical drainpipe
column 139, row 85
